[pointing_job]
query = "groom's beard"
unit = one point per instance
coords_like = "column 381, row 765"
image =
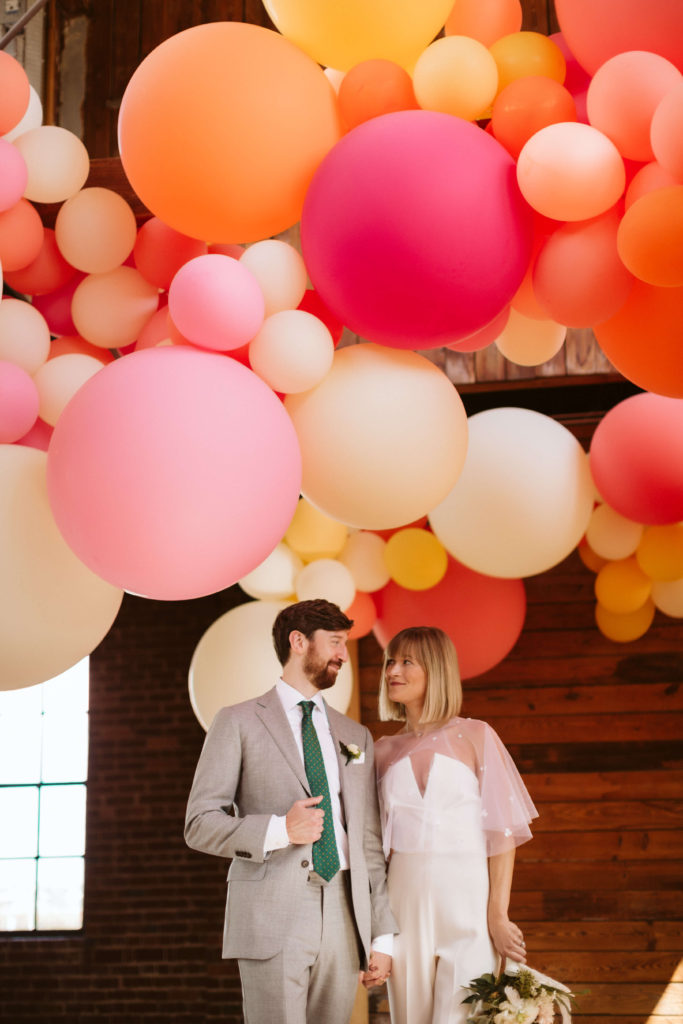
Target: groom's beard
column 323, row 674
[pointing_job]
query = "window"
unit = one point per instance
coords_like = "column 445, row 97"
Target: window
column 43, row 770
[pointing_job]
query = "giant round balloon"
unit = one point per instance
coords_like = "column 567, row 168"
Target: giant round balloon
column 173, row 472
column 221, row 128
column 235, row 661
column 383, row 437
column 53, row 610
column 524, row 498
column 416, row 259
column 483, row 616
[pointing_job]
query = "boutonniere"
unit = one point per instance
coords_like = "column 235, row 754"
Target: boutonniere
column 351, row 752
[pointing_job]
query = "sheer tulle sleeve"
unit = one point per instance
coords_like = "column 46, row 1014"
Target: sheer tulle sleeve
column 506, row 807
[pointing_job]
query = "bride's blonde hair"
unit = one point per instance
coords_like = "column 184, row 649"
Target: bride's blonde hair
column 434, row 652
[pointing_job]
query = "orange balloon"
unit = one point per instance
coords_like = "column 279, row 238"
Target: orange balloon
column 372, row 88
column 643, row 340
column 625, row 627
column 364, row 614
column 666, row 131
column 21, row 235
column 660, row 552
column 621, row 586
column 521, row 54
column 221, row 129
column 485, row 20
column 650, row 177
column 527, row 105
column 589, row 558
column 650, row 237
column 15, row 92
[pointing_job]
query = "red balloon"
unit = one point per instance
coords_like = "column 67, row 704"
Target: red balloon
column 312, row 303
column 596, row 30
column 483, row 615
column 56, row 306
column 48, row 271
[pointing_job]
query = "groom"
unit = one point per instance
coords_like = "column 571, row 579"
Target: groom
column 285, row 786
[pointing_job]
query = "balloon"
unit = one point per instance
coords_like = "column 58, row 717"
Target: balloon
column 483, row 337
column 325, row 578
column 668, row 597
column 341, row 35
column 59, row 379
column 273, row 579
column 650, row 237
column 235, row 661
column 157, row 331
column 48, row 272
column 621, row 586
column 456, row 75
column 364, row 614
column 525, row 106
column 24, row 335
column 68, row 344
column 160, row 251
column 312, row 303
column 13, row 175
column 650, row 177
column 37, row 437
column 411, row 187
column 570, row 171
column 379, row 418
column 612, row 536
column 109, row 310
column 32, row 118
column 589, row 558
column 372, row 88
column 311, row 534
column 292, row 352
column 216, row 302
column 415, row 559
column 173, row 472
column 636, row 456
column 576, row 80
column 520, row 54
column 597, row 31
column 483, row 616
column 626, row 626
column 666, row 132
column 21, row 235
column 54, row 611
column 96, row 230
column 280, row 272
column 221, row 128
column 18, row 402
column 528, row 342
column 485, row 20
column 363, row 556
column 14, row 92
column 524, row 498
column 55, row 306
column 57, row 161
column 660, row 552
column 578, row 277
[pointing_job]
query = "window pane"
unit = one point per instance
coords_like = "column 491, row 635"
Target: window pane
column 20, row 737
column 65, row 747
column 62, row 821
column 27, row 701
column 68, row 692
column 19, row 821
column 60, row 893
column 17, row 895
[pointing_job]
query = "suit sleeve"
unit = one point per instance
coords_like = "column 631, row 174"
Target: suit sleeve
column 211, row 825
column 382, row 920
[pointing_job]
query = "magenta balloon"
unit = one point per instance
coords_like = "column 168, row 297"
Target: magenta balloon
column 636, row 458
column 173, row 472
column 414, row 231
column 19, row 402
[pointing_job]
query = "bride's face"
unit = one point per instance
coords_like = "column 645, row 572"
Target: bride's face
column 406, row 680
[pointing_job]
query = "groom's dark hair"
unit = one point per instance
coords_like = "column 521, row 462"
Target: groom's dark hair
column 306, row 617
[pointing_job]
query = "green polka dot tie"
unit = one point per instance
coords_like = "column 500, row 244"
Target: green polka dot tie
column 325, row 855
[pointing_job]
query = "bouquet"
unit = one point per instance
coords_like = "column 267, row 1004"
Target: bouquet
column 518, row 995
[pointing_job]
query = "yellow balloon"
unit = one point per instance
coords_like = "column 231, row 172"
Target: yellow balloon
column 622, row 587
column 340, row 35
column 627, row 626
column 660, row 552
column 312, row 534
column 415, row 559
column 456, row 75
column 522, row 54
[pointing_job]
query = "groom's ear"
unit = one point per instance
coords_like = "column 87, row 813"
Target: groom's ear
column 297, row 641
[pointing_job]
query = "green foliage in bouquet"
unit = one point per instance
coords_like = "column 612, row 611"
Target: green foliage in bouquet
column 518, row 995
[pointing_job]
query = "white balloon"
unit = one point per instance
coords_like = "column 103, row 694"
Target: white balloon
column 326, row 578
column 273, row 579
column 280, row 271
column 292, row 352
column 59, row 379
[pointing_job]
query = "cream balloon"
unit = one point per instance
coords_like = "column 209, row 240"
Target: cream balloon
column 273, row 579
column 235, row 661
column 312, row 534
column 279, row 270
column 528, row 342
column 363, row 556
column 57, row 161
column 523, row 500
column 611, row 535
column 59, row 379
column 668, row 597
column 32, row 118
column 95, row 230
column 326, row 578
column 53, row 610
column 383, row 437
column 24, row 335
column 292, row 352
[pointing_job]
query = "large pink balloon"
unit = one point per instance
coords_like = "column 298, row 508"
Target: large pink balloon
column 414, row 231
column 482, row 615
column 172, row 473
column 636, row 458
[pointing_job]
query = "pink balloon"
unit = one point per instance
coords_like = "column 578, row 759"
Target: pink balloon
column 38, row 436
column 19, row 402
column 56, row 306
column 173, row 472
column 216, row 302
column 13, row 175
column 636, row 458
column 414, row 231
column 576, row 79
column 483, row 615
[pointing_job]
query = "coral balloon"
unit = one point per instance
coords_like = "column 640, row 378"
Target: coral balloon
column 216, row 302
column 280, row 272
column 412, row 188
column 21, row 235
column 13, row 175
column 57, row 161
column 415, row 559
column 373, row 88
column 525, row 106
column 364, row 614
column 622, row 586
column 48, row 272
column 109, row 310
column 456, row 75
column 160, row 251
column 341, row 35
column 96, row 230
column 292, row 352
column 273, row 579
column 636, row 456
column 650, row 177
column 570, row 171
column 666, row 132
column 32, row 118
column 483, row 616
column 612, row 536
column 59, row 379
column 363, row 556
column 528, row 342
column 14, row 92
column 668, row 597
column 190, row 489
column 325, row 578
column 18, row 402
column 650, row 237
column 660, row 552
column 311, row 534
column 24, row 335
column 55, row 306
column 626, row 626
column 221, row 128
column 521, row 54
column 359, row 450
column 485, row 20
column 524, row 498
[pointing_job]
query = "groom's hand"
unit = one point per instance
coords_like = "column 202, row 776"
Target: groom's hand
column 305, row 821
column 379, row 969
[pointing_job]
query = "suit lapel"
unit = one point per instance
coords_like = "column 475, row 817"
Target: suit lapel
column 269, row 709
column 349, row 791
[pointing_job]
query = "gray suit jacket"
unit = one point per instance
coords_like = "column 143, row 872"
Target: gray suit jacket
column 249, row 769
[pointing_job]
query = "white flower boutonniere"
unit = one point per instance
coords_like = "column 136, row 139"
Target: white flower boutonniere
column 352, row 752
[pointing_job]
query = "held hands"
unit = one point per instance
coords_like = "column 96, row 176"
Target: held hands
column 305, row 821
column 379, row 969
column 507, row 938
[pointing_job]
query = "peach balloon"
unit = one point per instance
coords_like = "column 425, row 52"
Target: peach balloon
column 649, row 178
column 292, row 352
column 456, row 75
column 59, row 379
column 273, row 579
column 485, row 20
column 650, row 237
column 18, row 402
column 621, row 586
column 525, row 106
column 157, row 331
column 626, row 626
column 221, row 128
column 570, row 171
column 363, row 555
column 96, row 230
column 280, row 272
column 379, row 418
column 325, row 578
column 521, row 54
column 160, row 251
column 666, row 132
column 216, row 302
column 46, row 273
column 668, row 597
column 660, row 552
column 525, row 301
column 311, row 534
column 109, row 310
column 14, row 92
column 372, row 88
column 21, row 235
column 527, row 342
column 24, row 335
column 611, row 535
column 57, row 161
